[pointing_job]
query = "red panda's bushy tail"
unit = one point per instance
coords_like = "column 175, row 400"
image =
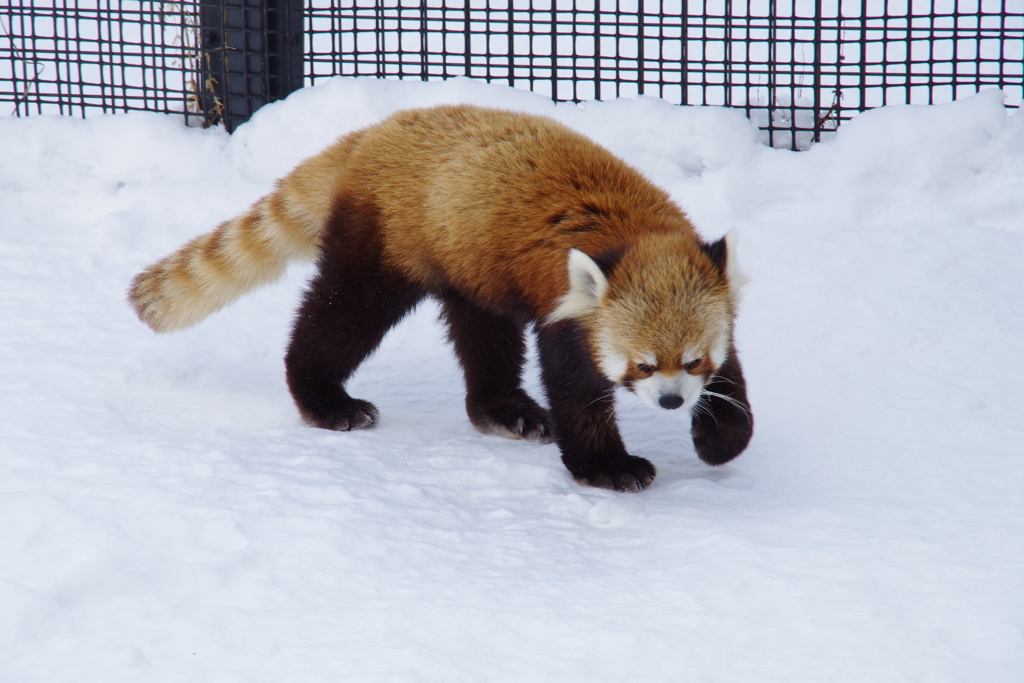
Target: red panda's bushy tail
column 248, row 251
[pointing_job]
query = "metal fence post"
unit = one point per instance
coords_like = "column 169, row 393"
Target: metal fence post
column 252, row 54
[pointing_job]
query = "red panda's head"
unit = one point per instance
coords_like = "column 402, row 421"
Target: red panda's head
column 659, row 317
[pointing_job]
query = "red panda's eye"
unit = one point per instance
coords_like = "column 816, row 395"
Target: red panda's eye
column 692, row 365
column 643, row 367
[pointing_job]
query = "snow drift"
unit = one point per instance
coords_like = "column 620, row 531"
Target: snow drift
column 165, row 516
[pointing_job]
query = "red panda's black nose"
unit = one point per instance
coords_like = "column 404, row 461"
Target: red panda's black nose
column 670, row 401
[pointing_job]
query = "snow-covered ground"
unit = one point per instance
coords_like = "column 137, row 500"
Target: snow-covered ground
column 165, row 516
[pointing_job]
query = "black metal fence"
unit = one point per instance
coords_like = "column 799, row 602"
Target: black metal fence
column 79, row 57
column 797, row 67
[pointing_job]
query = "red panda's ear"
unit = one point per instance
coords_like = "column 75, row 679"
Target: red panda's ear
column 608, row 260
column 723, row 254
column 587, row 284
column 717, row 252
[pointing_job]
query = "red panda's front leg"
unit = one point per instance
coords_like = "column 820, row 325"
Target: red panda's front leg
column 723, row 422
column 582, row 404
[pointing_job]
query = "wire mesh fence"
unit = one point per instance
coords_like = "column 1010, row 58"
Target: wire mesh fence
column 797, row 67
column 98, row 56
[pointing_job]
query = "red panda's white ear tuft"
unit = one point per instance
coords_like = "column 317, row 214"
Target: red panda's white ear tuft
column 587, row 284
column 737, row 279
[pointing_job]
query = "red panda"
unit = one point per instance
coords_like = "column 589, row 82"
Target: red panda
column 509, row 220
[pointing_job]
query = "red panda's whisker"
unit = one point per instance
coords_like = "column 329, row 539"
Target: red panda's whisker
column 729, row 399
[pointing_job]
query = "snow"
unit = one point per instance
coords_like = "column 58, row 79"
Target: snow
column 165, row 516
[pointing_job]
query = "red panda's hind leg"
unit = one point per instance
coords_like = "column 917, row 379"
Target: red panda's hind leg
column 345, row 313
column 491, row 350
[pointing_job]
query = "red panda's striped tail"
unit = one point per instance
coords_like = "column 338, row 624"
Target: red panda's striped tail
column 248, row 251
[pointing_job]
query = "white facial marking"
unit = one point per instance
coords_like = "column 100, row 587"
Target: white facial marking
column 612, row 363
column 691, row 388
column 719, row 352
column 653, row 388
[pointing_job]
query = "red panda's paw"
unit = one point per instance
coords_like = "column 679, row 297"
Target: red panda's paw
column 516, row 416
column 344, row 416
column 721, row 435
column 627, row 473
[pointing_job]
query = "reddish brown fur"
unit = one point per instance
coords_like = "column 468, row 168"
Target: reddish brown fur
column 445, row 179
